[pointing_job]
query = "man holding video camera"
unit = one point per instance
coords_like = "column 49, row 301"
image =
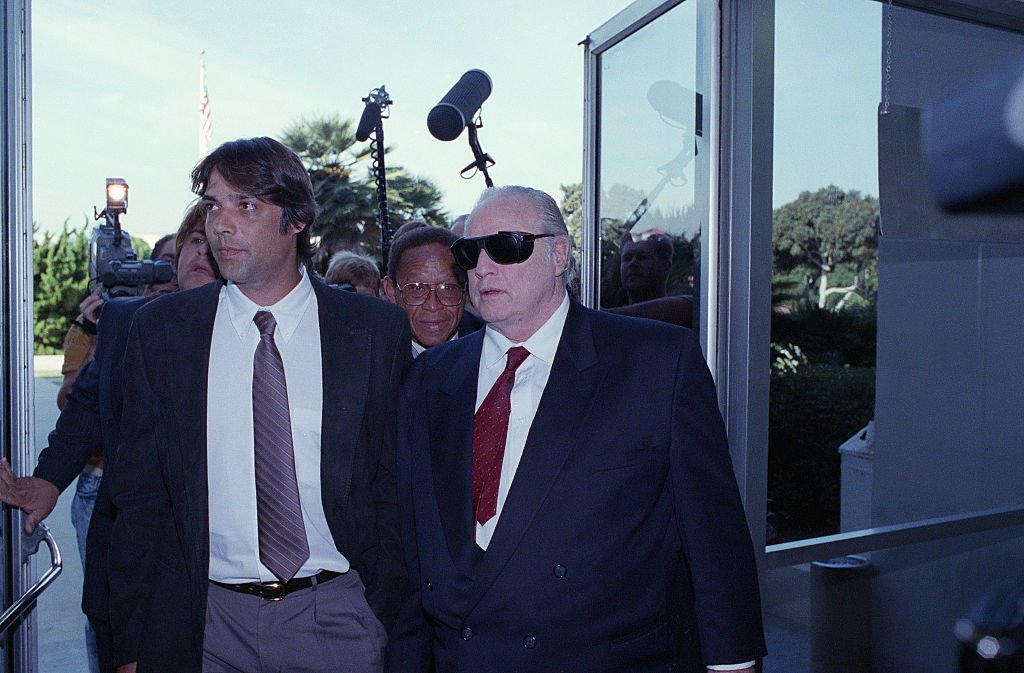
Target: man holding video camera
column 90, row 422
column 80, row 339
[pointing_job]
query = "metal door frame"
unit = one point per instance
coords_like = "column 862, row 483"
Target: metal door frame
column 16, row 389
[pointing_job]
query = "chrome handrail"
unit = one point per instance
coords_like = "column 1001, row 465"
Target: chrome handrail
column 28, row 599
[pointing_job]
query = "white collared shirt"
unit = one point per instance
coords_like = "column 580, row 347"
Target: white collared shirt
column 418, row 348
column 531, row 378
column 234, row 548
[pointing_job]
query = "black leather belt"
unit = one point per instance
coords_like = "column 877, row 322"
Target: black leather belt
column 275, row 591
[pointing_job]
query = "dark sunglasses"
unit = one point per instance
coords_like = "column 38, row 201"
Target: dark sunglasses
column 504, row 247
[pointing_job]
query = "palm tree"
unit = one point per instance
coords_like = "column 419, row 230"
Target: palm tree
column 348, row 197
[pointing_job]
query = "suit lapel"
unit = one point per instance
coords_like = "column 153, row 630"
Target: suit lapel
column 344, row 356
column 575, row 378
column 450, row 418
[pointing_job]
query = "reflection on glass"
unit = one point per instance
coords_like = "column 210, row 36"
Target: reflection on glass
column 650, row 148
column 825, row 269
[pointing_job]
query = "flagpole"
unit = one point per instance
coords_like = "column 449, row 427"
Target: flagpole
column 205, row 123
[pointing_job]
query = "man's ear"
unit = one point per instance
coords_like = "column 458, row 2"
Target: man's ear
column 388, row 286
column 560, row 248
column 296, row 227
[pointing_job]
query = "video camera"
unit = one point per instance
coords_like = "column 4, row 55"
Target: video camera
column 113, row 264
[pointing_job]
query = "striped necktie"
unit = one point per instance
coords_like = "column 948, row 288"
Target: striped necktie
column 281, row 533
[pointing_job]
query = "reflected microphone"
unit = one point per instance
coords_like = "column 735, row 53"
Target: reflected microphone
column 675, row 102
column 455, row 111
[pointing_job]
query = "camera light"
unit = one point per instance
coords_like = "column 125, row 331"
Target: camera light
column 117, row 195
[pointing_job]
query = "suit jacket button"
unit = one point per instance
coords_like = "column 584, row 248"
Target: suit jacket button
column 560, row 571
column 467, row 633
column 529, row 642
column 429, row 585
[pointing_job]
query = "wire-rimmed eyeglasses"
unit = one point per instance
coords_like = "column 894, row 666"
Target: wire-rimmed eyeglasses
column 449, row 294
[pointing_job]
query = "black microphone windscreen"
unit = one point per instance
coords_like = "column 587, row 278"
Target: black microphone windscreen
column 447, row 119
column 368, row 122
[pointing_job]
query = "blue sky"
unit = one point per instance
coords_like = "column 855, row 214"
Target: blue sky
column 115, row 90
column 828, row 66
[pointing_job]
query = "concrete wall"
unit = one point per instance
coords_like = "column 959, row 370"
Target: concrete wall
column 949, row 412
column 949, row 431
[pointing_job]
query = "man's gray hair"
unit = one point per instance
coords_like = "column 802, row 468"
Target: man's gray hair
column 549, row 216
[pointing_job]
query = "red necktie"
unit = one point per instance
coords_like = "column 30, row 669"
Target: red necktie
column 490, row 429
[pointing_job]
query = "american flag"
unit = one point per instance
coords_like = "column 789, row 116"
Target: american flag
column 205, row 123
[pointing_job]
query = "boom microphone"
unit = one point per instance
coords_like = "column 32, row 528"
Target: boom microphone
column 455, row 111
column 368, row 122
column 674, row 102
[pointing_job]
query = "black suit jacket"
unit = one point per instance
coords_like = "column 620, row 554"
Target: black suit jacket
column 469, row 324
column 622, row 545
column 91, row 421
column 159, row 561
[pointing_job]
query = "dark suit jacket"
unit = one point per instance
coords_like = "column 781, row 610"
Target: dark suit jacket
column 622, row 545
column 469, row 324
column 90, row 421
column 159, row 562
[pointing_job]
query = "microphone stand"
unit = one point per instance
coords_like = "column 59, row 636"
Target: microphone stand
column 387, row 231
column 481, row 160
column 671, row 171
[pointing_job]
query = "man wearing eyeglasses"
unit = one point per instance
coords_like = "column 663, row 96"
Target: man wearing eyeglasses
column 567, row 497
column 425, row 281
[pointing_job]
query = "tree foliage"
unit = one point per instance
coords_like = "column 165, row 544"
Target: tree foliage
column 572, row 210
column 61, row 281
column 323, row 142
column 825, row 232
column 344, row 187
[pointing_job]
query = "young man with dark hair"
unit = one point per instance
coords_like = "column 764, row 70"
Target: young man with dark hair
column 258, row 463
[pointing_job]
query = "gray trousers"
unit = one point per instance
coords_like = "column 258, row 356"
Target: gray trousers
column 328, row 628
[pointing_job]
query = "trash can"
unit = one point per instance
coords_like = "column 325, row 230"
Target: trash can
column 841, row 615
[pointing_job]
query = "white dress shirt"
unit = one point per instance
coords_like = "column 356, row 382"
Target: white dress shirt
column 231, row 473
column 531, row 379
column 418, row 348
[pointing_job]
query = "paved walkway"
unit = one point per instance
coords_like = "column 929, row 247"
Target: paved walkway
column 59, row 615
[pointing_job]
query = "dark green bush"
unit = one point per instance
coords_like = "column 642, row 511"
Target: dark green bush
column 844, row 337
column 813, row 410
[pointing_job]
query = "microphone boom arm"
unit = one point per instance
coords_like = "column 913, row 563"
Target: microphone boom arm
column 673, row 170
column 481, row 160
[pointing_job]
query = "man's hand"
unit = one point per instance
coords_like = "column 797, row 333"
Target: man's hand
column 35, row 497
column 126, row 668
column 91, row 305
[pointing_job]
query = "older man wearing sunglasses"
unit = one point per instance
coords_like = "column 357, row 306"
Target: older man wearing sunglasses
column 568, row 501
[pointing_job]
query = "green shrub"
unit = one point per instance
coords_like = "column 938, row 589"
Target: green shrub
column 844, row 337
column 814, row 408
column 60, row 283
